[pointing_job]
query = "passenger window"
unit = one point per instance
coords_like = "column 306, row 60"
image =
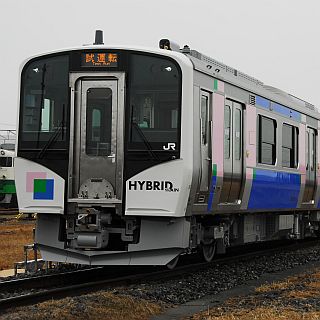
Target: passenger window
column 267, row 140
column 227, row 125
column 289, row 146
column 204, row 119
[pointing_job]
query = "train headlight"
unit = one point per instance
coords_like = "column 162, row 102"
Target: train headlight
column 167, row 44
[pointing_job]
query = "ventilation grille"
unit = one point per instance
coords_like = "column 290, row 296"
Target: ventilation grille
column 222, row 67
column 306, row 104
column 213, row 62
column 249, row 78
column 252, row 99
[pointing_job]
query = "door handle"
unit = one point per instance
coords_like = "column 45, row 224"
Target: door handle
column 112, row 156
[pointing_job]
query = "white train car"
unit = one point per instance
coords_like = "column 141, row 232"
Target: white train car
column 135, row 156
column 7, row 183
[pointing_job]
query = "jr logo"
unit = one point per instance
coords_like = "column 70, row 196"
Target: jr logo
column 170, row 146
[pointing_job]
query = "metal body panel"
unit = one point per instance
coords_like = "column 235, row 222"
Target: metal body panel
column 148, row 257
column 47, row 199
column 274, row 190
column 161, row 241
column 161, row 190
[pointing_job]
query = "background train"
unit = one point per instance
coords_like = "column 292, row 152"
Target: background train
column 8, row 196
column 136, row 156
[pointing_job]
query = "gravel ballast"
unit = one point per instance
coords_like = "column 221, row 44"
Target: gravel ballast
column 209, row 281
column 220, row 277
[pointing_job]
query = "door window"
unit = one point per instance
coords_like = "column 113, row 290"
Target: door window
column 204, row 119
column 227, row 126
column 237, row 138
column 98, row 121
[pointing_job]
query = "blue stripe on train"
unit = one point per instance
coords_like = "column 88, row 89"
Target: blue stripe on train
column 274, row 190
column 211, row 193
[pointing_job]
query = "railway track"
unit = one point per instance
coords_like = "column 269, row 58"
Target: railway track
column 28, row 291
column 9, row 211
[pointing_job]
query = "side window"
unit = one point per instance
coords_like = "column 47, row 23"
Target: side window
column 267, row 140
column 289, row 146
column 204, row 119
column 6, row 162
column 227, row 125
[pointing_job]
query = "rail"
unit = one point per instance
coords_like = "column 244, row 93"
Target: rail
column 16, row 292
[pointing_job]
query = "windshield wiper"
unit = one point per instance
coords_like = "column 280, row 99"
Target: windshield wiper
column 145, row 141
column 52, row 139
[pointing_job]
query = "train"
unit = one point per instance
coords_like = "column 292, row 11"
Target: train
column 8, row 197
column 136, row 156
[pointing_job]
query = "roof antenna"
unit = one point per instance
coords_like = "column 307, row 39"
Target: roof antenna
column 99, row 37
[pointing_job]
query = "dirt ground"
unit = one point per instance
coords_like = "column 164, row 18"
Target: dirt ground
column 295, row 298
column 14, row 234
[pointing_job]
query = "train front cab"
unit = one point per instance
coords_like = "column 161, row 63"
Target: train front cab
column 105, row 155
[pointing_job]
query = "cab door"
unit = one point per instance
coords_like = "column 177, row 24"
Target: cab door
column 98, row 141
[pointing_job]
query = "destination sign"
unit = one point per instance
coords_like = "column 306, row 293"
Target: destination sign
column 99, row 59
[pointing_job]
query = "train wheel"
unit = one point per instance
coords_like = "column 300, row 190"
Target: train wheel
column 208, row 251
column 173, row 263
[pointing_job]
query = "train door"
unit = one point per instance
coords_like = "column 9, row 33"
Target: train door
column 205, row 145
column 98, row 140
column 233, row 155
column 311, row 152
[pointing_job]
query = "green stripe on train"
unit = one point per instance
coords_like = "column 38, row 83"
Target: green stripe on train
column 7, row 187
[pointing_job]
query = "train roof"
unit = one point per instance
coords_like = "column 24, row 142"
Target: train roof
column 228, row 74
column 215, row 69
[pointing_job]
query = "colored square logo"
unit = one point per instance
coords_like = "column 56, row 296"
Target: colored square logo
column 43, row 189
column 30, row 179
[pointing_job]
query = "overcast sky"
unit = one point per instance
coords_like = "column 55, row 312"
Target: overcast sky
column 276, row 41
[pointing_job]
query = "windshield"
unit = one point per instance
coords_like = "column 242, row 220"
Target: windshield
column 154, row 103
column 44, row 103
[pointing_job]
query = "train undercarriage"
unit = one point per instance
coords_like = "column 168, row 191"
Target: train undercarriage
column 98, row 235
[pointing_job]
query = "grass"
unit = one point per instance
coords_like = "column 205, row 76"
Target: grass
column 262, row 313
column 99, row 305
column 13, row 236
column 289, row 299
column 275, row 286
